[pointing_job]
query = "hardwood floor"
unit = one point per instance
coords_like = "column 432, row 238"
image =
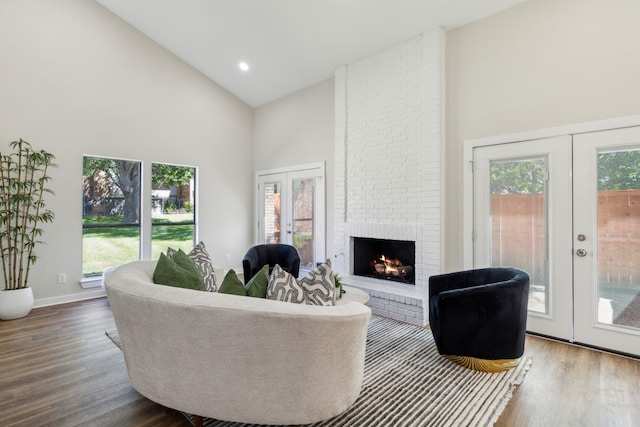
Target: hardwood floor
column 58, row 368
column 569, row 385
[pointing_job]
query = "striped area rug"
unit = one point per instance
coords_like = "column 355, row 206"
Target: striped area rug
column 407, row 383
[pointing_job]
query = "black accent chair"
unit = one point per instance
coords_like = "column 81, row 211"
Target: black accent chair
column 274, row 253
column 479, row 317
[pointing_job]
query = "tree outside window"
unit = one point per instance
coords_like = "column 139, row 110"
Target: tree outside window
column 110, row 213
column 172, row 208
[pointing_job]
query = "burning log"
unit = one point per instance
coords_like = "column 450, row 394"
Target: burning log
column 405, row 270
column 391, row 267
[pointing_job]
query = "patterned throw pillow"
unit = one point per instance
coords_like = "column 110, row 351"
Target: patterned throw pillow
column 202, row 260
column 171, row 253
column 316, row 288
column 319, row 286
column 284, row 287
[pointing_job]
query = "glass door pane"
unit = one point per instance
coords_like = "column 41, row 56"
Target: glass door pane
column 272, row 213
column 518, row 223
column 303, row 221
column 618, row 263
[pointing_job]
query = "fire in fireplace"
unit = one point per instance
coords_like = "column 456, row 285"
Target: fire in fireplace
column 384, row 259
column 385, row 266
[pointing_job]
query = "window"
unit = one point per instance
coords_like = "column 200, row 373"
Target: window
column 172, row 208
column 110, row 213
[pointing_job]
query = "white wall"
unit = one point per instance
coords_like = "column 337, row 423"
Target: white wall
column 541, row 64
column 298, row 129
column 77, row 80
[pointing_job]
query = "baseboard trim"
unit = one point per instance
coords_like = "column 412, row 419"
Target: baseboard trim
column 91, row 294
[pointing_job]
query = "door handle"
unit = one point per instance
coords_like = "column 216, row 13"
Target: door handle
column 581, row 253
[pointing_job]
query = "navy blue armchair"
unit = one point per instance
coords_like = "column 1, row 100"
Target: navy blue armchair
column 270, row 254
column 479, row 317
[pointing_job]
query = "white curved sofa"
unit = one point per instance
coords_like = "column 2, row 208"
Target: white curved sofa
column 237, row 358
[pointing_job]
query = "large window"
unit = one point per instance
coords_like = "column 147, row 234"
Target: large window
column 110, row 213
column 172, row 208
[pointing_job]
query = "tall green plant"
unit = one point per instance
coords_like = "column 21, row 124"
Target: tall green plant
column 23, row 182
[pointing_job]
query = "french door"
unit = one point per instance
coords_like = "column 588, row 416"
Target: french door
column 606, row 201
column 567, row 210
column 291, row 210
column 522, row 219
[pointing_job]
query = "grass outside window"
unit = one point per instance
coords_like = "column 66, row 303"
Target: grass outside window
column 108, row 246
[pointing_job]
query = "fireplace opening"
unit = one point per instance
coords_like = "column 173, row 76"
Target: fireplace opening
column 384, row 259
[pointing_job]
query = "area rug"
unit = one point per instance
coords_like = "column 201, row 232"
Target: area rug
column 407, row 383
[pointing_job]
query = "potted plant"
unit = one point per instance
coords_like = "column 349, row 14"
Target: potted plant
column 23, row 182
column 338, row 284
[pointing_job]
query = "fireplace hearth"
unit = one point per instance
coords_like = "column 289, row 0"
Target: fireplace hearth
column 384, row 259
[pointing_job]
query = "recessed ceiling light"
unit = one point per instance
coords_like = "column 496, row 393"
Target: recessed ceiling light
column 243, row 66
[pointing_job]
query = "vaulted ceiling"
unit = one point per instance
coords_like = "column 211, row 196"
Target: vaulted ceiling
column 288, row 44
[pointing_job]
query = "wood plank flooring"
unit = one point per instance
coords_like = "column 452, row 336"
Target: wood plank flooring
column 58, row 368
column 569, row 385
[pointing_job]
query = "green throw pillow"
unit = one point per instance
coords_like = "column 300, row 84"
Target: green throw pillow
column 180, row 272
column 183, row 260
column 257, row 286
column 232, row 285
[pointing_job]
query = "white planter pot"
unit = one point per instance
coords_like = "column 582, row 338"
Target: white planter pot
column 15, row 303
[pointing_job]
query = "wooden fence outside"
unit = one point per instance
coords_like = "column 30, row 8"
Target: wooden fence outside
column 519, row 236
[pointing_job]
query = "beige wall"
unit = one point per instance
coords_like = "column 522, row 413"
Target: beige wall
column 299, row 129
column 541, row 64
column 77, row 80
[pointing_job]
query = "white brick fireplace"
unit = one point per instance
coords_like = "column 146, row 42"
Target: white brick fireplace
column 388, row 156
